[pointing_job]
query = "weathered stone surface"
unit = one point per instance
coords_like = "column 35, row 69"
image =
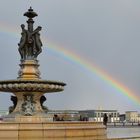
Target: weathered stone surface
column 52, row 130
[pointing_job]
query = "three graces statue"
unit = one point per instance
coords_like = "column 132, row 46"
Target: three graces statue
column 30, row 43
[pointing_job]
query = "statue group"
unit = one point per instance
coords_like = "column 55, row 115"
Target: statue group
column 30, row 43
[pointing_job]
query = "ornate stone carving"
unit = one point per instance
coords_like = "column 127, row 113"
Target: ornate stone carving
column 31, row 86
column 28, row 107
column 42, row 100
column 14, row 100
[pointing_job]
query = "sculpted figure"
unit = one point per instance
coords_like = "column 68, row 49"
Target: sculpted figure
column 30, row 43
column 22, row 45
column 34, row 43
column 38, row 42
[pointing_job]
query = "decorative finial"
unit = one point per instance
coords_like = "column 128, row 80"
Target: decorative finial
column 31, row 8
column 30, row 13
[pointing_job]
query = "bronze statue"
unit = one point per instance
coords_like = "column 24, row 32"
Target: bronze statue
column 30, row 43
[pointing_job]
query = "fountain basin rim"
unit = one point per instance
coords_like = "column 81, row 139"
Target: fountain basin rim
column 32, row 81
column 19, row 85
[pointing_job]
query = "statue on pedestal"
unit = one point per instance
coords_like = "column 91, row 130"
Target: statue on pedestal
column 30, row 43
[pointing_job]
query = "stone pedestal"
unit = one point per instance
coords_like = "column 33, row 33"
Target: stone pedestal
column 29, row 70
column 52, row 131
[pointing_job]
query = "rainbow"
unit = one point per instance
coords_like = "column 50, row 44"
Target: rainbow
column 94, row 69
column 73, row 57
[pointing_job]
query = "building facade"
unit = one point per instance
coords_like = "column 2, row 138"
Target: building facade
column 64, row 115
column 98, row 115
column 132, row 116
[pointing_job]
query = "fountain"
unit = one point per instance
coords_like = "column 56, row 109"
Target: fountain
column 27, row 118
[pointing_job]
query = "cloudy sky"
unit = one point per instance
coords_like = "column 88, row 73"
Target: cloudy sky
column 105, row 33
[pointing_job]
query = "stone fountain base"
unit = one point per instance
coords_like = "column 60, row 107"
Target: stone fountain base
column 31, row 128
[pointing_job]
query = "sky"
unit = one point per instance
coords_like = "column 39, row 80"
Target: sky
column 102, row 34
